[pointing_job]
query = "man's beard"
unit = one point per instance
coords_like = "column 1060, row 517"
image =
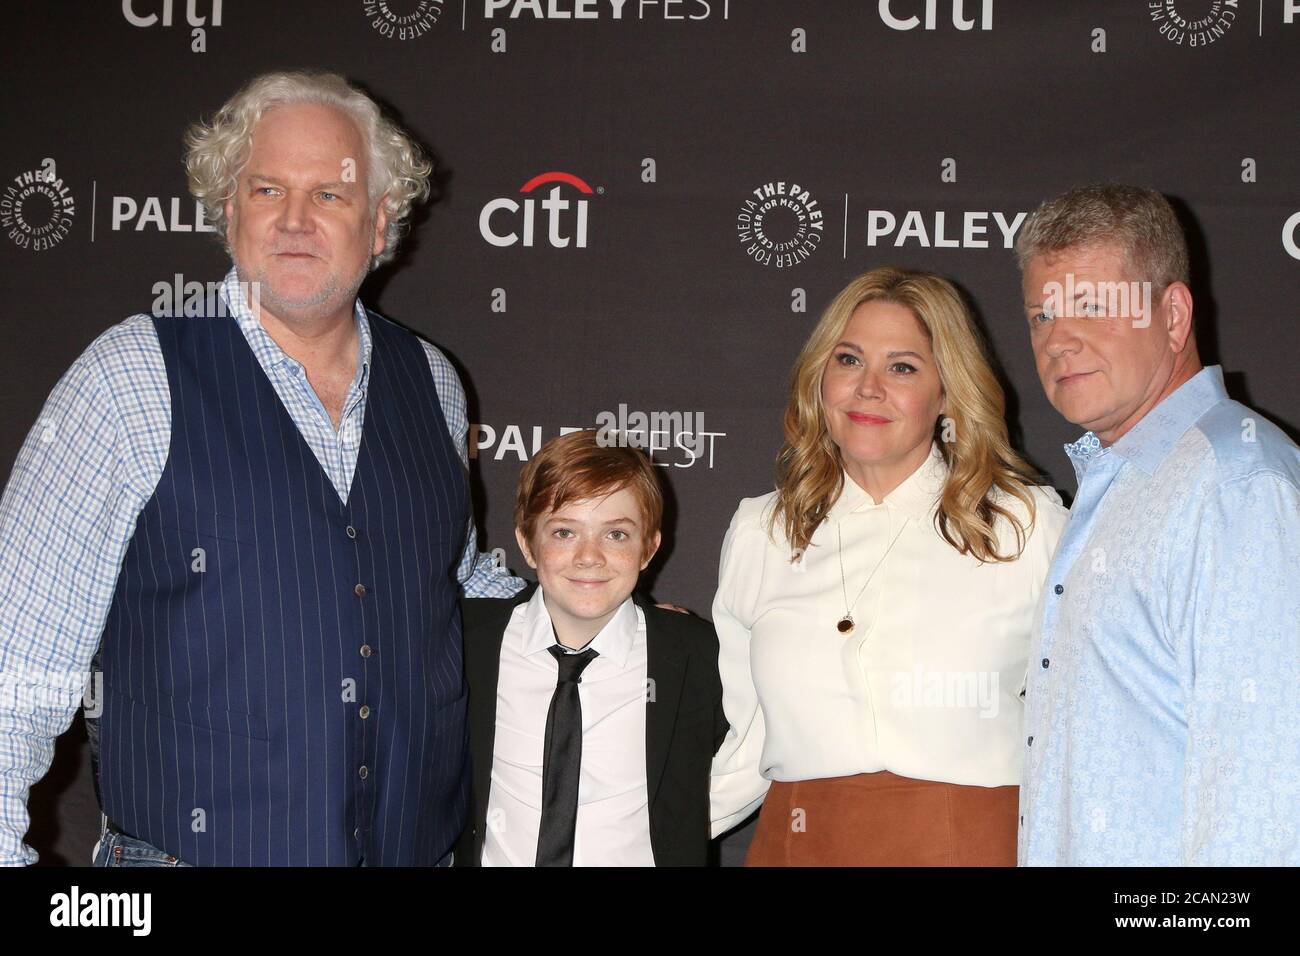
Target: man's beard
column 332, row 293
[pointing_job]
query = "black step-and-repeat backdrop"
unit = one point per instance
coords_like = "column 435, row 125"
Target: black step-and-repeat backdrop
column 643, row 205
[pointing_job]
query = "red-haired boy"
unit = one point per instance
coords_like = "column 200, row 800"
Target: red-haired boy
column 594, row 715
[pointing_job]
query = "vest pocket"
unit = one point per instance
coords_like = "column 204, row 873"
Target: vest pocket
column 212, row 525
column 228, row 722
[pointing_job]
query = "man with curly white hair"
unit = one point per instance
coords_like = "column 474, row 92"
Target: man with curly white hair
column 260, row 517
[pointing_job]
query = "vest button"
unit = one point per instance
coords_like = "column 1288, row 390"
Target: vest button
column 352, row 532
column 363, row 772
column 365, row 650
column 364, row 712
column 360, row 590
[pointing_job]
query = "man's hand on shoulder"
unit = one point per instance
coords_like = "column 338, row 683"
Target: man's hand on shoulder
column 674, row 607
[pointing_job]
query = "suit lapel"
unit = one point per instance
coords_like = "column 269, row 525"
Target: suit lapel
column 484, row 674
column 665, row 670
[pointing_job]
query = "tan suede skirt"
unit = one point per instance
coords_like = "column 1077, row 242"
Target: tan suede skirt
column 881, row 819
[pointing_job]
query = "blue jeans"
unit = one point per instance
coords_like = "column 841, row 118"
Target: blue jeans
column 118, row 849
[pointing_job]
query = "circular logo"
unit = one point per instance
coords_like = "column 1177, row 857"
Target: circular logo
column 780, row 224
column 1193, row 23
column 412, row 19
column 36, row 209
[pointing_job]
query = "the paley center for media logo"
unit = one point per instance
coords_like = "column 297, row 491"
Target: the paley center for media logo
column 1193, row 23
column 402, row 19
column 780, row 224
column 37, row 208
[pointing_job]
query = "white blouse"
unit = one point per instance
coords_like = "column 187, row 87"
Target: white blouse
column 926, row 685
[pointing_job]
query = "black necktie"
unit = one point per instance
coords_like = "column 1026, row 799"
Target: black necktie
column 562, row 761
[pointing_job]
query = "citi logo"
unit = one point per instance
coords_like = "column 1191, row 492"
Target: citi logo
column 890, row 11
column 149, row 19
column 501, row 224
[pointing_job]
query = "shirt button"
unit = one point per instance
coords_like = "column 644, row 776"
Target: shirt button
column 356, row 834
column 352, row 532
column 360, row 590
column 364, row 712
column 1045, row 663
column 363, row 772
column 1022, row 819
column 1031, row 740
column 1059, row 589
column 365, row 650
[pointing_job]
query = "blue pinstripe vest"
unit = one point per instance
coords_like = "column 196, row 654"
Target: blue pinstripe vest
column 282, row 671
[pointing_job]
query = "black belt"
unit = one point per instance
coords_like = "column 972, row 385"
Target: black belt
column 115, row 829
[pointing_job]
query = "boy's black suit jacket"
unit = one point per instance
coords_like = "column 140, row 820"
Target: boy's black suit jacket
column 685, row 724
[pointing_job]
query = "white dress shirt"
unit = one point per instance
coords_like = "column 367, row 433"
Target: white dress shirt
column 613, row 824
column 927, row 685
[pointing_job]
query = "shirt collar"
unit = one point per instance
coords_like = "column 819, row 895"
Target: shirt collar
column 268, row 353
column 915, row 497
column 1148, row 442
column 1082, row 452
column 614, row 641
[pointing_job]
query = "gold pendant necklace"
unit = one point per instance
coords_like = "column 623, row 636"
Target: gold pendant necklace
column 846, row 624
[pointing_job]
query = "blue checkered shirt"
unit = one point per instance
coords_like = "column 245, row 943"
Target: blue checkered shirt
column 86, row 470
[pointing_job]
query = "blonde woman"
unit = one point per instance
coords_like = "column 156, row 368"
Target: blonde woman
column 874, row 612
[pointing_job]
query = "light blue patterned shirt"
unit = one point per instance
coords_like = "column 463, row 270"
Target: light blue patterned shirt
column 87, row 468
column 1162, row 714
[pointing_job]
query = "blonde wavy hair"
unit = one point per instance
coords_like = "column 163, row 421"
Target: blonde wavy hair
column 216, row 152
column 982, row 465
